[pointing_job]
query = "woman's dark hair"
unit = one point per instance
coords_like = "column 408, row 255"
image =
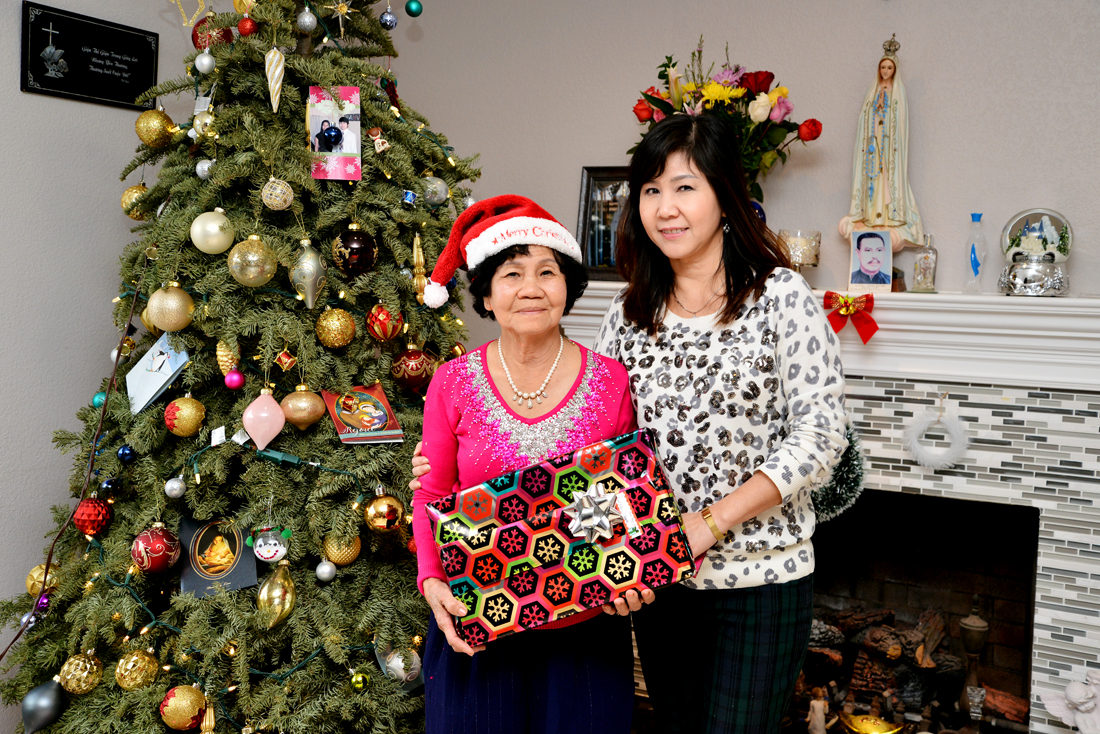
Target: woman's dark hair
column 750, row 251
column 481, row 277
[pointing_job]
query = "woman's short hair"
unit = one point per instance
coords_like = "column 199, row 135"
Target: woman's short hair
column 481, row 277
column 750, row 251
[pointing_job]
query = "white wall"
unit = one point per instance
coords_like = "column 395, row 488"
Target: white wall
column 63, row 233
column 1003, row 98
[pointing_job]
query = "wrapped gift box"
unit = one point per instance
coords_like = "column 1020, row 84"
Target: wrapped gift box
column 560, row 537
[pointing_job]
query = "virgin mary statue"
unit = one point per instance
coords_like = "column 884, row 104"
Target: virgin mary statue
column 881, row 197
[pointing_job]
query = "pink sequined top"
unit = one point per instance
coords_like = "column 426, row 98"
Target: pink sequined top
column 472, row 434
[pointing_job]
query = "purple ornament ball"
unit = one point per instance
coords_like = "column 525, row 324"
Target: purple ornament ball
column 234, row 379
column 43, row 604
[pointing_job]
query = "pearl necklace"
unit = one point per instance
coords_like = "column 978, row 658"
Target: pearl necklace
column 537, row 395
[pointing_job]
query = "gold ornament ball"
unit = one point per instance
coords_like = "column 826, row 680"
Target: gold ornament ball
column 136, row 669
column 203, row 123
column 34, row 579
column 184, row 416
column 227, row 359
column 303, row 407
column 359, row 681
column 277, row 194
column 252, row 263
column 384, row 514
column 147, row 322
column 340, row 552
column 277, row 595
column 458, row 350
column 154, row 128
column 81, row 673
column 183, row 707
column 170, row 308
column 130, row 197
column 212, row 232
column 335, row 328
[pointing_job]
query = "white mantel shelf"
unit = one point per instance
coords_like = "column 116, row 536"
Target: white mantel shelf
column 988, row 339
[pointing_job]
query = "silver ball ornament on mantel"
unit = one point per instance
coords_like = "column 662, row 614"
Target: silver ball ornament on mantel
column 202, row 169
column 326, row 571
column 175, row 487
column 205, row 63
column 307, row 21
column 388, row 19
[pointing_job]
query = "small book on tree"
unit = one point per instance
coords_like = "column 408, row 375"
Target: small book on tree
column 363, row 415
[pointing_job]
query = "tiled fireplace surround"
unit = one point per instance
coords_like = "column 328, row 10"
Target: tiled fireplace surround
column 1023, row 374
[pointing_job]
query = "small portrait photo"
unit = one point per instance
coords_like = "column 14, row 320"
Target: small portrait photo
column 333, row 132
column 215, row 548
column 872, row 262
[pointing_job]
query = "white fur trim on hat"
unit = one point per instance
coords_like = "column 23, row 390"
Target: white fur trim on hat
column 435, row 295
column 521, row 231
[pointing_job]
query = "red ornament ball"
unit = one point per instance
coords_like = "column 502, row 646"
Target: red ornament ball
column 92, row 515
column 202, row 37
column 383, row 325
column 155, row 550
column 247, row 26
column 411, row 545
column 413, row 368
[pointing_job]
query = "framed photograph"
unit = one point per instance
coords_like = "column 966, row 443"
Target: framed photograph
column 604, row 190
column 872, row 262
column 335, row 133
column 216, row 556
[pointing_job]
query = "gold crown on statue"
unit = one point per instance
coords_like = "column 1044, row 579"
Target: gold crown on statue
column 891, row 47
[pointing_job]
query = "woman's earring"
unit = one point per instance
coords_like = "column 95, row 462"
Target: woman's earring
column 726, row 227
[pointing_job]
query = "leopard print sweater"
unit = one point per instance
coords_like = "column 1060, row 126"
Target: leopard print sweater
column 763, row 393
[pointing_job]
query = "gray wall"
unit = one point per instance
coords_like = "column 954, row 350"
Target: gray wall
column 1003, row 97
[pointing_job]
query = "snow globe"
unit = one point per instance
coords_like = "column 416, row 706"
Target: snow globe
column 1036, row 244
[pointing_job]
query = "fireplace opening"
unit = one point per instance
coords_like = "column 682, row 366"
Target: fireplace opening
column 896, row 567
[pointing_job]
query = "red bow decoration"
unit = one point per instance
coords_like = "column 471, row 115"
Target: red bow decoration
column 858, row 307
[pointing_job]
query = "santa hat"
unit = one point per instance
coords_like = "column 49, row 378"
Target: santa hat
column 489, row 227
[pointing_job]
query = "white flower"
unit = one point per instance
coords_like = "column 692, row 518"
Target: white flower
column 760, row 108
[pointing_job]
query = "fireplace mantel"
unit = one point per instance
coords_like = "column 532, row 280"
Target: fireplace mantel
column 993, row 339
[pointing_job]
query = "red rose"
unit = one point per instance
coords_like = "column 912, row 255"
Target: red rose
column 809, row 130
column 643, row 111
column 757, row 81
column 652, row 92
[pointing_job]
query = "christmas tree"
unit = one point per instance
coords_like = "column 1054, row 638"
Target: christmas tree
column 271, row 311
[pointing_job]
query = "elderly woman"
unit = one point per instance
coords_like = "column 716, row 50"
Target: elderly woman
column 530, row 395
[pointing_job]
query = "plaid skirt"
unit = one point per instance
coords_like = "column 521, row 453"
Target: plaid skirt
column 724, row 662
column 574, row 680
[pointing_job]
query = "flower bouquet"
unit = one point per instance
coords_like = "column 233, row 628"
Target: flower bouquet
column 757, row 115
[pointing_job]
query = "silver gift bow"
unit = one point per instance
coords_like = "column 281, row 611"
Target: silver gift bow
column 594, row 513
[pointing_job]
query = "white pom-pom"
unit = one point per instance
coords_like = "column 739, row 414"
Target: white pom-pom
column 435, row 295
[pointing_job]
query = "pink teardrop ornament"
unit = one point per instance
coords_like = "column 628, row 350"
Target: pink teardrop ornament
column 263, row 419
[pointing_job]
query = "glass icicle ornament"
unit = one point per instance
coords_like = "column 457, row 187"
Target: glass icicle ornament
column 309, row 274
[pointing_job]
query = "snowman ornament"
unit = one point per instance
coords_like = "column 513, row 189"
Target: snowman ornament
column 270, row 543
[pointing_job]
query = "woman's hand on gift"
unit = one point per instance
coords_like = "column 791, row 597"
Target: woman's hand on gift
column 420, row 467
column 444, row 605
column 629, row 602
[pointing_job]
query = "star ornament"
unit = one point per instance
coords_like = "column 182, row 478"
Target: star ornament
column 594, row 514
column 341, row 11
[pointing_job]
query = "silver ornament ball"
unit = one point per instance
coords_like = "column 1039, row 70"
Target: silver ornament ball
column 326, row 571
column 202, row 169
column 307, row 21
column 468, row 201
column 175, row 487
column 205, row 63
column 388, row 20
column 435, row 191
column 28, row 616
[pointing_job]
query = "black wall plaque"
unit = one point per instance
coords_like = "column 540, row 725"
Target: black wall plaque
column 78, row 57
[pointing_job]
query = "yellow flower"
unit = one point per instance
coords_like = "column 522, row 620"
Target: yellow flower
column 689, row 87
column 713, row 92
column 776, row 93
